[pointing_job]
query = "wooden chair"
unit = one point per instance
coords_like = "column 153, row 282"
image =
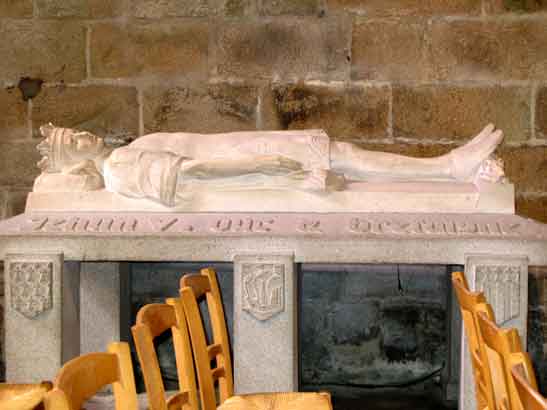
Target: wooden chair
column 22, row 396
column 522, row 374
column 193, row 288
column 502, row 347
column 82, row 377
column 469, row 302
column 152, row 321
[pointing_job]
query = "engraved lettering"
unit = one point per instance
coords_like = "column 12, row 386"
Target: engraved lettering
column 242, row 225
column 38, row 224
column 310, row 226
column 358, row 225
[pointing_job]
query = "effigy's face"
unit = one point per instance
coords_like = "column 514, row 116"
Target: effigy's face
column 82, row 145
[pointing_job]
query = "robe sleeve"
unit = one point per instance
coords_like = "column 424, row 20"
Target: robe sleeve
column 143, row 174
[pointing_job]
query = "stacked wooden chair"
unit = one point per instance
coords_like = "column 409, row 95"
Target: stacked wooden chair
column 504, row 377
column 152, row 321
column 204, row 285
column 82, row 377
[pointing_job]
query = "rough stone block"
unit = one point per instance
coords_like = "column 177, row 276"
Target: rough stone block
column 454, row 113
column 526, row 167
column 514, row 6
column 13, row 121
column 235, row 8
column 18, row 164
column 389, row 50
column 16, row 8
column 134, row 50
column 80, row 8
column 291, row 7
column 346, row 112
column 15, row 202
column 399, row 8
column 170, row 8
column 281, row 48
column 534, row 207
column 210, row 108
column 541, row 113
column 104, row 110
column 479, row 50
column 48, row 50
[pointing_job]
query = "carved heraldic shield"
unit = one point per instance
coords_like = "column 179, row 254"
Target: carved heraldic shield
column 30, row 287
column 501, row 286
column 263, row 289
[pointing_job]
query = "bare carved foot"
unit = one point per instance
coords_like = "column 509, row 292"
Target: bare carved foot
column 466, row 160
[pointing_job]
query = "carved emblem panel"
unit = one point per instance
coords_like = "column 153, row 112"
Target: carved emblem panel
column 501, row 286
column 263, row 290
column 31, row 287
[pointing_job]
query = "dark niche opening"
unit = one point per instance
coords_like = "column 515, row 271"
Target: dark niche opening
column 370, row 334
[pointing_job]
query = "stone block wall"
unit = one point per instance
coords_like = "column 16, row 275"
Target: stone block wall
column 406, row 76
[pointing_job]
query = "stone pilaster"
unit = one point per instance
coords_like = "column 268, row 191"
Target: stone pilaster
column 265, row 324
column 39, row 310
column 504, row 280
column 100, row 305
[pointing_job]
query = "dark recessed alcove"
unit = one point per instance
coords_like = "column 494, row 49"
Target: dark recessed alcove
column 368, row 333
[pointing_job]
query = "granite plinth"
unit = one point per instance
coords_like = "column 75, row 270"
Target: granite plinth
column 440, row 238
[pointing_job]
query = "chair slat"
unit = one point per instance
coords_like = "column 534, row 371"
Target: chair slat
column 469, row 301
column 529, row 397
column 153, row 320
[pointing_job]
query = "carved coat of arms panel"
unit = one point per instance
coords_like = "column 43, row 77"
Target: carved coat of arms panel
column 263, row 293
column 31, row 287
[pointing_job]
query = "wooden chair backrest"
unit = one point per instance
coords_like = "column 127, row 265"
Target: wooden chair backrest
column 82, row 377
column 153, row 320
column 23, row 396
column 523, row 376
column 468, row 302
column 501, row 345
column 193, row 288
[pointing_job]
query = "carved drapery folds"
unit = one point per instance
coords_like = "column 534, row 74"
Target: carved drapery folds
column 263, row 292
column 31, row 287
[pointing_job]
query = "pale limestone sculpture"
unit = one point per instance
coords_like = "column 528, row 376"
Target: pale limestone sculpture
column 172, row 169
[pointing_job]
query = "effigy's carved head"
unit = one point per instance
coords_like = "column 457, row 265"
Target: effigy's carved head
column 63, row 147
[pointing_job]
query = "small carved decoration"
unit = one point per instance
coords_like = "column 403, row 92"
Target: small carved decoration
column 501, row 286
column 30, row 287
column 263, row 289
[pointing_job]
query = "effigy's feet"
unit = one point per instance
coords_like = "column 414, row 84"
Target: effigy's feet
column 467, row 159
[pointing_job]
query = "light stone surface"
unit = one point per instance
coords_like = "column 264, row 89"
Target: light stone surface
column 262, row 171
column 310, row 237
column 504, row 280
column 33, row 345
column 265, row 324
column 100, row 305
column 360, row 197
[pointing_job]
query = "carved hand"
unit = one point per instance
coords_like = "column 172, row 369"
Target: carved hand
column 276, row 165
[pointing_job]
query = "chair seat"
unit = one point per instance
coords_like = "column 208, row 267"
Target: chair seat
column 278, row 401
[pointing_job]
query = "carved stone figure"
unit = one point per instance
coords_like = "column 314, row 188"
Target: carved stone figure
column 170, row 167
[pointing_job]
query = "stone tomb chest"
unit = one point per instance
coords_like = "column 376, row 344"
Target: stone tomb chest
column 286, row 199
